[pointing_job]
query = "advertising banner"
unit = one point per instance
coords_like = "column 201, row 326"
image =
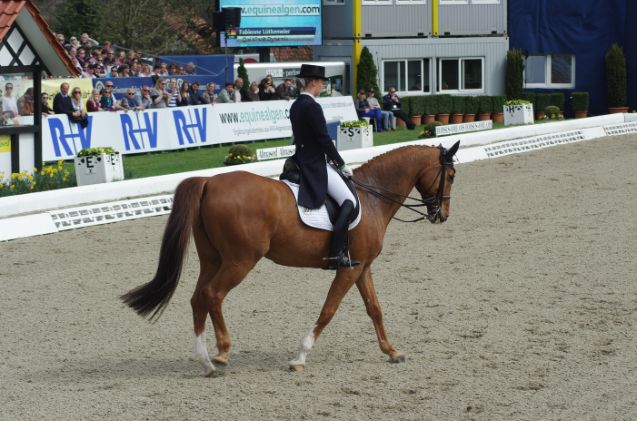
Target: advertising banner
column 178, row 128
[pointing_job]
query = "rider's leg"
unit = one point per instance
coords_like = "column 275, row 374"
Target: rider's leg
column 337, row 189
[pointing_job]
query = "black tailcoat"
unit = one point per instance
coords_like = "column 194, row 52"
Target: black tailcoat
column 62, row 105
column 313, row 143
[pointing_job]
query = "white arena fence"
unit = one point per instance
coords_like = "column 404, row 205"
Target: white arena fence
column 53, row 211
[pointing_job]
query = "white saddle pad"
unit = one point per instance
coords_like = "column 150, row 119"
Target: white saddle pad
column 317, row 218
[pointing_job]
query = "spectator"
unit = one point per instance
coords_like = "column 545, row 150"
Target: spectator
column 77, row 64
column 210, row 97
column 44, row 105
column 74, row 43
column 253, row 91
column 335, row 91
column 240, row 91
column 110, row 55
column 146, row 71
column 147, row 100
column 132, row 101
column 62, row 101
column 227, row 94
column 181, row 71
column 190, row 68
column 156, row 70
column 89, row 71
column 130, row 57
column 81, row 56
column 108, row 102
column 391, row 102
column 109, row 85
column 283, row 91
column 9, row 103
column 184, row 94
column 266, row 89
column 196, row 98
column 363, row 109
column 120, row 58
column 113, row 73
column 389, row 119
column 93, row 102
column 123, row 70
column 172, row 69
column 25, row 103
column 163, row 71
column 173, row 90
column 134, row 69
column 88, row 41
column 60, row 39
column 79, row 111
column 159, row 94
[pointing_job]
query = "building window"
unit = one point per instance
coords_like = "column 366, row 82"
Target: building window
column 406, row 75
column 465, row 74
column 408, row 2
column 377, row 2
column 333, row 2
column 549, row 71
column 454, row 2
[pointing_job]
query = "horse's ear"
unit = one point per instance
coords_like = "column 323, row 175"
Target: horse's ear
column 452, row 151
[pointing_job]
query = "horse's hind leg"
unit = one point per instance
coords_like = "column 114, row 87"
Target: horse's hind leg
column 200, row 303
column 368, row 292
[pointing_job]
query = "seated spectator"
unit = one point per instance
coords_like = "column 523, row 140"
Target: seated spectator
column 120, row 58
column 163, row 70
column 88, row 41
column 109, row 84
column 147, row 100
column 391, row 102
column 240, row 91
column 123, row 70
column 146, row 71
column 132, row 101
column 60, row 39
column 79, row 111
column 81, row 56
column 190, row 68
column 8, row 102
column 159, row 93
column 253, row 91
column 283, row 91
column 93, row 102
column 210, row 96
column 62, row 101
column 135, row 69
column 44, row 105
column 113, row 73
column 184, row 94
column 196, row 98
column 89, row 71
column 107, row 102
column 173, row 90
column 266, row 90
column 335, row 91
column 181, row 71
column 363, row 109
column 25, row 103
column 389, row 119
column 227, row 94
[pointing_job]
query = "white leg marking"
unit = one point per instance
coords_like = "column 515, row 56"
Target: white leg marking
column 306, row 345
column 200, row 354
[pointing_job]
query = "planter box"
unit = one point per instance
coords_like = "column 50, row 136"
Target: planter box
column 518, row 114
column 96, row 169
column 354, row 138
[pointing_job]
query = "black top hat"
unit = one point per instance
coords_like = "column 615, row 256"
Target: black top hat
column 310, row 71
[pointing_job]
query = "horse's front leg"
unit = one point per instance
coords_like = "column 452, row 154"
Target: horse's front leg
column 343, row 281
column 368, row 292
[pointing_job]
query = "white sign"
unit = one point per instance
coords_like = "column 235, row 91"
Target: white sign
column 275, row 153
column 518, row 114
column 178, row 128
column 464, row 127
column 354, row 137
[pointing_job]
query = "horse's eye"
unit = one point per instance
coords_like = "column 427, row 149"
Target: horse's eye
column 451, row 178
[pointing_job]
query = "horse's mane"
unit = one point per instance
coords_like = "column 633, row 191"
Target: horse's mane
column 398, row 156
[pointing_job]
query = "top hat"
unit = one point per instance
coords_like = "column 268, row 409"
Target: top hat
column 310, row 71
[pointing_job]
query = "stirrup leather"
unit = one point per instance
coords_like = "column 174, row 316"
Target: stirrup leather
column 341, row 260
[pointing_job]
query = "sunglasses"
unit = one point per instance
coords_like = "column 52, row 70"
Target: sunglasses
column 131, row 93
column 77, row 92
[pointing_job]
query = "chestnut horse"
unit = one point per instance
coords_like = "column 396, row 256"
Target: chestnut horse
column 237, row 218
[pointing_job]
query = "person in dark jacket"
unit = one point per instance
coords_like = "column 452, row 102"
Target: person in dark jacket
column 319, row 178
column 62, row 101
column 391, row 102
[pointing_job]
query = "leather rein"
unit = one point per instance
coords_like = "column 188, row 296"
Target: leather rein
column 433, row 203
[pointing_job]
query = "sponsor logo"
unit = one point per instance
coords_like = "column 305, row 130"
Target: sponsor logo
column 66, row 135
column 134, row 126
column 191, row 126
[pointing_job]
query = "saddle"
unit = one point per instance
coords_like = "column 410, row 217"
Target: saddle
column 291, row 175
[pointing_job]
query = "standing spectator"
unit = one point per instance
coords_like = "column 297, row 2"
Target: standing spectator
column 79, row 111
column 391, row 102
column 62, row 101
column 173, row 90
column 93, row 102
column 9, row 103
column 389, row 119
column 147, row 100
column 196, row 98
column 184, row 94
column 363, row 109
column 132, row 101
column 227, row 94
column 210, row 97
column 283, row 91
column 88, row 41
column 253, row 91
column 44, row 105
column 240, row 91
column 266, row 89
column 25, row 103
column 190, row 68
column 159, row 94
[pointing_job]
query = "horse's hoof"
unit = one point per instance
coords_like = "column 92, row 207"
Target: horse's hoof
column 399, row 357
column 297, row 367
column 221, row 360
column 213, row 374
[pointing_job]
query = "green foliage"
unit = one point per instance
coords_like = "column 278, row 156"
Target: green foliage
column 471, row 105
column 542, row 101
column 51, row 177
column 243, row 73
column 514, row 74
column 458, row 104
column 430, row 104
column 405, row 105
column 429, row 130
column 354, row 123
column 616, row 77
column 107, row 150
column 239, row 154
column 485, row 104
column 531, row 97
column 417, row 105
column 552, row 112
column 445, row 104
column 498, row 103
column 516, row 102
column 74, row 17
column 557, row 99
column 366, row 73
column 580, row 101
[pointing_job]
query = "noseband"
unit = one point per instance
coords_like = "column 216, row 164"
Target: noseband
column 433, row 203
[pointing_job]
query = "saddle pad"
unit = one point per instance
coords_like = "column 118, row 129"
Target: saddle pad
column 317, row 218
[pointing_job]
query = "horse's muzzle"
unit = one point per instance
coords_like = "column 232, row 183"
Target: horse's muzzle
column 434, row 214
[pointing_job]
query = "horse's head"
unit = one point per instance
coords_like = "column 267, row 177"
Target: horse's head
column 434, row 185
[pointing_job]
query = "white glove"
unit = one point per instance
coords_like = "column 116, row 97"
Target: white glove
column 346, row 171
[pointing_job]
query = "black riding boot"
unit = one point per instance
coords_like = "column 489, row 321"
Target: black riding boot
column 338, row 253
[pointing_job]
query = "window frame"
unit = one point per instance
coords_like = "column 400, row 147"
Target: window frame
column 461, row 81
column 548, row 84
column 333, row 2
column 377, row 2
column 406, row 74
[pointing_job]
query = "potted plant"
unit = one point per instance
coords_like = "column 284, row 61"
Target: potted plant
column 239, row 154
column 415, row 109
column 542, row 101
column 429, row 108
column 553, row 113
column 354, row 135
column 458, row 109
column 518, row 111
column 580, row 104
column 429, row 130
column 557, row 99
column 514, row 74
column 616, row 80
column 98, row 165
column 485, row 107
column 470, row 109
column 445, row 103
column 498, row 109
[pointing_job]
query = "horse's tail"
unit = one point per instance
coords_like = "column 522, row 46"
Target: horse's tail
column 155, row 295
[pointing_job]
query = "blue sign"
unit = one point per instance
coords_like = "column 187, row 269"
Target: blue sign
column 133, row 130
column 189, row 123
column 65, row 136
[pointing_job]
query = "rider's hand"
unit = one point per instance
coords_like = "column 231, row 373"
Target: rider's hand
column 346, row 171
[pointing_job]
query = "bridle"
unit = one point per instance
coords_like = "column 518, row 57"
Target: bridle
column 433, row 203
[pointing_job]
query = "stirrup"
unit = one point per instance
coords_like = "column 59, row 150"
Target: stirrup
column 341, row 260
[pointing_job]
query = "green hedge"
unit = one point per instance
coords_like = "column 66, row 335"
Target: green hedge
column 445, row 104
column 616, row 77
column 498, row 104
column 485, row 104
column 531, row 97
column 471, row 105
column 458, row 104
column 430, row 104
column 557, row 99
column 514, row 72
column 580, row 101
column 542, row 101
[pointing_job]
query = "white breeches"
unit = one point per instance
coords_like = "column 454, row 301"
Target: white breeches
column 337, row 188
